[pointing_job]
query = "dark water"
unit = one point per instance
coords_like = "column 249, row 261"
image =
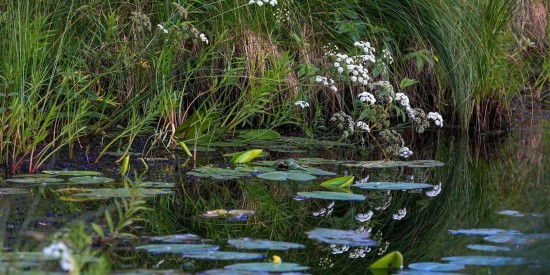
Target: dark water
column 481, row 176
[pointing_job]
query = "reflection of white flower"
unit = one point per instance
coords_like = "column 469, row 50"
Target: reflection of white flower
column 302, row 104
column 435, row 191
column 363, row 126
column 364, row 217
column 61, row 251
column 401, row 213
column 339, row 249
column 436, row 117
column 203, row 38
column 162, row 28
column 405, row 152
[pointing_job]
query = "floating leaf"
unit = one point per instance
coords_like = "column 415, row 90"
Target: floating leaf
column 490, row 248
column 341, row 237
column 72, row 173
column 318, row 172
column 248, row 243
column 224, row 256
column 516, row 238
column 392, row 185
column 262, row 134
column 226, row 144
column 344, row 181
column 486, row 260
column 121, row 192
column 177, row 248
column 217, row 173
column 423, row 163
column 246, row 156
column 392, row 260
column 35, row 180
column 287, row 175
column 155, row 184
column 329, row 195
column 268, row 267
column 392, row 164
column 482, row 231
column 177, row 238
column 13, row 191
column 255, row 169
column 90, row 180
column 319, row 161
column 432, row 266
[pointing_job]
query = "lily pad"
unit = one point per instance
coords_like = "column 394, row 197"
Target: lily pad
column 482, row 231
column 268, row 267
column 432, row 266
column 217, row 173
column 177, row 248
column 329, row 195
column 90, row 180
column 341, row 237
column 246, row 156
column 156, row 184
column 490, row 248
column 254, row 169
column 392, row 164
column 423, row 163
column 73, row 173
column 319, row 161
column 13, row 191
column 344, row 181
column 516, row 238
column 392, row 185
column 318, row 172
column 486, row 260
column 121, row 192
column 177, row 238
column 35, row 180
column 224, row 256
column 287, row 175
column 261, row 155
column 248, row 243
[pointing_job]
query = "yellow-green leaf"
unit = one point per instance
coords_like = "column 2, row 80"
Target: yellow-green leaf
column 344, row 181
column 246, row 156
column 392, row 260
column 185, row 149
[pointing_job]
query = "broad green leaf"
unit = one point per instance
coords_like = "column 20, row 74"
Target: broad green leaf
column 341, row 237
column 392, row 260
column 249, row 243
column 344, row 181
column 263, row 134
column 73, row 173
column 267, row 267
column 287, row 175
column 329, row 195
column 246, row 156
column 224, row 255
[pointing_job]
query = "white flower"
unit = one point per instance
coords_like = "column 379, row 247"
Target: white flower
column 401, row 213
column 162, row 28
column 203, row 38
column 340, row 70
column 367, row 97
column 302, row 104
column 336, row 65
column 435, row 191
column 364, row 217
column 436, row 117
column 402, row 99
column 405, row 152
column 61, row 251
column 363, row 126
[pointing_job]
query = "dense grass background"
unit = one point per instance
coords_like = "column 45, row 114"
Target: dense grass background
column 86, row 68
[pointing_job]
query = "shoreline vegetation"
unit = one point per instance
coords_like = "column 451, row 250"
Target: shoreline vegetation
column 186, row 71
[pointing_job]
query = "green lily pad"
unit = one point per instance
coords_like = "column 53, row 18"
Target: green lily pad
column 483, row 231
column 341, row 237
column 516, row 238
column 486, row 260
column 121, row 192
column 261, row 134
column 156, row 184
column 90, row 180
column 329, row 195
column 177, row 238
column 263, row 154
column 432, row 266
column 13, row 191
column 35, row 180
column 392, row 185
column 344, row 181
column 490, row 248
column 392, row 260
column 73, row 173
column 224, row 256
column 268, row 267
column 318, row 172
column 254, row 169
column 319, row 161
column 423, row 163
column 287, row 175
column 248, row 243
column 217, row 173
column 396, row 163
column 177, row 248
column 246, row 156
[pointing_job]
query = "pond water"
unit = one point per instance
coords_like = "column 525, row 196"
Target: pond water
column 485, row 208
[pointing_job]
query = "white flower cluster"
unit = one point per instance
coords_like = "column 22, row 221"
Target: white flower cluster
column 357, row 71
column 401, row 213
column 326, row 82
column 162, row 28
column 387, row 55
column 435, row 191
column 61, row 251
column 324, row 211
column 367, row 97
column 302, row 104
column 203, row 38
column 342, row 118
column 359, row 252
column 262, row 2
column 404, row 152
column 364, row 217
column 367, row 50
column 363, row 126
column 404, row 101
column 339, row 249
column 436, row 117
